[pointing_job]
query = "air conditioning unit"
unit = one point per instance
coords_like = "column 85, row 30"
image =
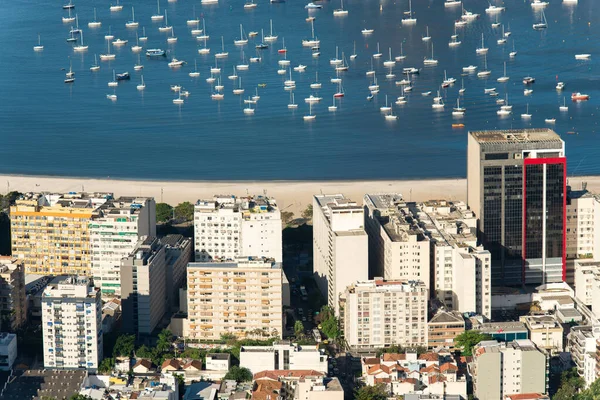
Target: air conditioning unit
column 518, row 156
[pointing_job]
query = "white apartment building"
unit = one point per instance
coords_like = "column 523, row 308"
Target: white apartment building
column 283, row 355
column 545, row 331
column 319, row 388
column 113, row 234
column 587, row 282
column 8, row 350
column 583, row 240
column 581, row 344
column 398, row 248
column 242, row 297
column 461, row 270
column 511, row 368
column 72, row 324
column 380, row 313
column 227, row 227
column 340, row 245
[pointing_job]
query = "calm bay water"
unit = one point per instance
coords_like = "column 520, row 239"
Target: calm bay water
column 47, row 127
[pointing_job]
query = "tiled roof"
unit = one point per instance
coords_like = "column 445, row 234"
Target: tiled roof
column 171, row 362
column 143, row 362
column 393, row 357
column 436, row 378
column 430, row 369
column 196, row 364
column 429, row 357
column 526, row 396
column 293, row 373
column 370, row 361
column 265, row 389
column 448, row 367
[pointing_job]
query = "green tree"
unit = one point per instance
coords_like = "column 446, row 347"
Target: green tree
column 80, row 397
column 165, row 341
column 468, row 339
column 330, row 327
column 144, row 352
column 164, row 212
column 124, row 346
column 107, row 365
column 307, row 214
column 298, row 328
column 287, row 217
column 377, row 392
column 239, row 374
column 184, row 211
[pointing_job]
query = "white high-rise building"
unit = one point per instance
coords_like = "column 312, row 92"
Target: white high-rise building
column 72, row 324
column 381, row 313
column 340, row 245
column 228, row 227
column 398, row 248
column 113, row 235
column 583, row 240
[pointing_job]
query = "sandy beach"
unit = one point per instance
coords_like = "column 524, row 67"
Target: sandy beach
column 291, row 196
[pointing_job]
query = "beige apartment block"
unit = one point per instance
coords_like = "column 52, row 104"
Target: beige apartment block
column 545, row 331
column 380, row 313
column 242, row 297
column 50, row 232
column 340, row 245
column 13, row 303
column 398, row 247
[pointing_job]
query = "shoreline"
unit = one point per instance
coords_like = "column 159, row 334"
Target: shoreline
column 291, row 195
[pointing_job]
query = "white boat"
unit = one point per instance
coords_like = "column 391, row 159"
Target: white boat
column 178, row 100
column 133, row 23
column 222, row 53
column 378, row 54
column 289, row 82
column 116, row 7
column 344, row 65
column 564, row 107
column 452, row 3
column 583, row 56
column 332, row 107
column 526, row 115
column 409, row 20
column 95, row 23
column 337, row 78
column 401, row 57
column 371, row 71
column 508, row 32
column 68, row 6
column 454, row 42
column 313, row 41
column 316, row 84
column 336, row 60
column 256, row 97
column 239, row 90
column 204, row 37
column 234, row 76
column 112, row 97
column 312, row 99
column 215, row 69
column 243, row 66
column 270, row 37
column 539, row 4
column 120, row 42
column 281, row 71
column 502, row 40
column 142, row 85
column 175, row 63
column 550, row 120
column 430, row 61
column 137, row 48
column 391, row 116
column 310, row 116
column 217, row 96
column 209, row 1
column 426, row 93
column 468, row 15
column 374, row 86
column 560, row 86
column 165, row 27
column 494, row 9
column 482, row 49
column 503, row 78
column 39, row 46
column 447, row 81
column 95, row 67
column 69, row 18
column 367, row 31
column 462, row 87
column 527, row 92
column 438, row 102
column 340, row 12
column 158, row 16
column 401, row 100
column 542, row 24
column 300, row 68
column 460, row 23
column 353, row 55
column 458, row 111
column 390, row 62
column 114, row 82
column 248, row 6
column 386, row 108
column 108, row 56
column 426, row 38
column 503, row 113
column 172, row 38
column 255, row 59
column 485, row 72
column 109, row 36
column 292, row 104
column 313, row 6
column 489, row 90
column 513, row 53
column 194, row 73
column 249, row 110
column 242, row 40
column 219, row 86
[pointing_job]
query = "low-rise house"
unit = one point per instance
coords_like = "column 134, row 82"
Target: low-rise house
column 143, row 366
column 218, row 361
column 296, row 385
column 443, row 327
column 282, row 355
column 526, row 396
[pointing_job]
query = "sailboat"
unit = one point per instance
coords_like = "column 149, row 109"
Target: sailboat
column 215, row 69
column 502, row 40
column 410, row 20
column 178, row 100
column 239, row 89
column 242, row 40
column 249, row 5
column 564, row 107
column 353, row 55
column 332, row 107
column 401, row 57
column 76, row 30
column 95, row 67
column 340, row 91
column 249, row 110
column 430, row 61
column 390, row 62
column 194, row 73
column 243, row 66
column 337, row 78
column 219, row 86
column 165, row 27
column 109, row 36
column 401, row 100
column 438, row 102
column 513, row 53
column 194, row 20
column 391, row 116
column 454, row 40
column 70, row 76
column 336, row 60
column 378, row 54
column 116, row 7
column 137, row 48
column 526, row 115
column 196, row 31
column 283, row 49
column 139, row 66
column 503, row 78
column 371, row 71
column 289, row 82
column 112, row 96
column 310, row 116
column 426, row 38
column 340, row 11
column 385, row 108
column 133, row 23
column 95, row 23
column 292, row 104
column 374, row 87
column 344, row 65
column 485, row 72
column 68, row 19
column 69, row 5
column 172, row 38
column 543, row 24
column 458, row 111
column 158, row 16
column 462, row 86
column 39, row 46
column 234, row 76
column 482, row 49
column 270, row 37
column 114, row 82
column 313, row 42
column 142, row 85
column 316, row 84
column 262, row 45
column 108, row 55
column 203, row 50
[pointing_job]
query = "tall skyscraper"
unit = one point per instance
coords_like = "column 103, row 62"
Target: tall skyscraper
column 517, row 188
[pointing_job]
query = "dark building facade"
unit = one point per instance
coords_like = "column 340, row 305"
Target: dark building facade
column 517, row 188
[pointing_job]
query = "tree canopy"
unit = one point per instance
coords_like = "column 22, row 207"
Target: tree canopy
column 377, row 392
column 468, row 339
column 124, row 346
column 184, row 211
column 164, row 212
column 298, row 327
column 239, row 374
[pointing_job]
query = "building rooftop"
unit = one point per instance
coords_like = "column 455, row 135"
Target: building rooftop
column 534, row 322
column 241, row 263
column 123, row 206
column 6, row 338
column 501, row 327
column 71, row 200
column 70, row 287
column 46, row 383
column 252, row 204
column 394, row 215
column 288, row 373
column 447, row 317
column 382, row 285
column 517, row 136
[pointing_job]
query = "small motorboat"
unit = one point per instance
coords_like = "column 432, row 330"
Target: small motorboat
column 123, row 77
